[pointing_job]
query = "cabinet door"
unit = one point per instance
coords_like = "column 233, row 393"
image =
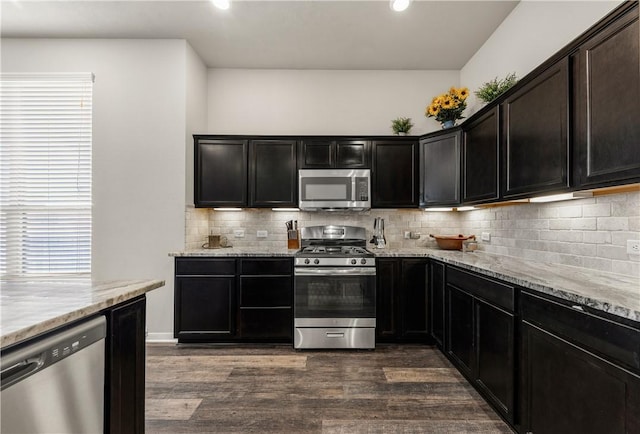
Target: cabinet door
column 459, row 344
column 536, row 139
column 395, row 174
column 413, row 299
column 436, row 302
column 205, row 308
column 272, row 173
column 495, row 356
column 480, row 158
column 220, row 172
column 387, row 275
column 608, row 106
column 316, row 154
column 567, row 389
column 353, row 154
column 440, row 169
column 125, row 365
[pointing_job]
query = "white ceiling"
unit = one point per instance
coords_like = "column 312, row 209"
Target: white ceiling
column 302, row 34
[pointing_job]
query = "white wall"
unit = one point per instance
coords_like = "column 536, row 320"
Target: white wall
column 138, row 152
column 532, row 33
column 248, row 101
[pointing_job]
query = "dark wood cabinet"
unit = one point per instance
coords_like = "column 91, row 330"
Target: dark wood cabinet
column 480, row 157
column 536, row 134
column 436, row 301
column 607, row 107
column 402, row 306
column 324, row 153
column 125, row 368
column 394, row 177
column 266, row 299
column 273, row 173
column 220, row 172
column 233, row 300
column 440, row 169
column 480, row 335
column 580, row 372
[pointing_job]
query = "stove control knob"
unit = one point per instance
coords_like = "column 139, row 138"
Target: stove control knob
column 316, row 261
column 306, row 261
column 363, row 261
column 354, row 262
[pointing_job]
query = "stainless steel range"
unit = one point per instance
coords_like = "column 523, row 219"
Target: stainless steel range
column 335, row 289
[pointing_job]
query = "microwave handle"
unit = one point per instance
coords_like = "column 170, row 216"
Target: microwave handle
column 353, row 188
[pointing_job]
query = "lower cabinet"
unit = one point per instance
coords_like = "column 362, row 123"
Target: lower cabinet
column 580, row 372
column 480, row 325
column 402, row 308
column 436, row 302
column 125, row 368
column 233, row 300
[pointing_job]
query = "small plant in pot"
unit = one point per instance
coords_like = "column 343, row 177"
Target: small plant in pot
column 494, row 88
column 401, row 126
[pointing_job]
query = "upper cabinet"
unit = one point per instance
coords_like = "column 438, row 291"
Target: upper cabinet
column 607, row 105
column 536, row 134
column 220, row 172
column 394, row 178
column 480, row 157
column 334, row 153
column 440, row 169
column 272, row 173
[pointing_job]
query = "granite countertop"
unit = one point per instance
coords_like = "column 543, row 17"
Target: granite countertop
column 613, row 293
column 31, row 307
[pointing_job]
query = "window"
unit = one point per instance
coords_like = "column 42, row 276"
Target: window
column 45, row 174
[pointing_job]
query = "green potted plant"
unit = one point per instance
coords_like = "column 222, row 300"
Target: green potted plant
column 401, row 126
column 494, row 88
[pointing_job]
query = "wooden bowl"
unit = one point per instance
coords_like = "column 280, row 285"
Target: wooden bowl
column 451, row 242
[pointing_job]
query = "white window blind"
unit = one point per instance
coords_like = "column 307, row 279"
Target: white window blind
column 45, row 173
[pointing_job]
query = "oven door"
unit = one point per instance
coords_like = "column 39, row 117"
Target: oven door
column 334, row 293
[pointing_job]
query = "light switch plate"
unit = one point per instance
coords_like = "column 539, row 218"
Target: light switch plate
column 238, row 233
column 486, row 236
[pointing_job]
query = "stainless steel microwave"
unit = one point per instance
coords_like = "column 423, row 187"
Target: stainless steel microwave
column 334, row 189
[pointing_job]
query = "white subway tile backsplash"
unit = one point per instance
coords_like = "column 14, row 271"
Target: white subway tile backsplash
column 597, row 210
column 613, row 223
column 596, row 237
column 584, row 224
column 613, row 252
column 570, row 211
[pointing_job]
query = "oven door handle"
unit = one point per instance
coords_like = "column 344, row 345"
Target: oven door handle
column 333, row 271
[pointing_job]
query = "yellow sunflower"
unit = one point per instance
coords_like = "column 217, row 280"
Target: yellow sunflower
column 463, row 93
column 433, row 110
column 447, row 103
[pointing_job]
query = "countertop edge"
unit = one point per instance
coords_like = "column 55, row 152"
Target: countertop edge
column 135, row 289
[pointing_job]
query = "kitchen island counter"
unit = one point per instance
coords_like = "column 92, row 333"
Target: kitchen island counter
column 608, row 292
column 35, row 306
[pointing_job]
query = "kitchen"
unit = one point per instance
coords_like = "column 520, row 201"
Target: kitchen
column 152, row 94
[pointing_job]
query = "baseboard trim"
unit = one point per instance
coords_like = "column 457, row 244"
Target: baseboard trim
column 161, row 337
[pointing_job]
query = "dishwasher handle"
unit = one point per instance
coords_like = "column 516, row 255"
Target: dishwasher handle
column 21, row 370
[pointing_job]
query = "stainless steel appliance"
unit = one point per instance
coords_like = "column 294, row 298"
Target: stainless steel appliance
column 334, row 289
column 56, row 384
column 334, row 189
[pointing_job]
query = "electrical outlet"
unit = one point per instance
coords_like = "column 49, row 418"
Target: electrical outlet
column 262, row 234
column 486, row 236
column 633, row 247
column 415, row 235
column 238, row 233
column 407, row 235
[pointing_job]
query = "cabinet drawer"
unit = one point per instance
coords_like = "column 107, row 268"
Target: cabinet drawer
column 617, row 342
column 265, row 291
column 266, row 266
column 266, row 323
column 490, row 290
column 205, row 266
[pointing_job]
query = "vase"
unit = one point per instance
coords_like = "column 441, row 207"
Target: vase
column 448, row 124
column 401, row 133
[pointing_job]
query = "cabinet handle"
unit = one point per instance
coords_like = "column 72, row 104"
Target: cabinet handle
column 576, row 307
column 335, row 335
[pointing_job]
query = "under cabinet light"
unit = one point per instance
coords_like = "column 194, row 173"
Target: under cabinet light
column 227, row 209
column 438, row 209
column 286, row 209
column 466, row 208
column 399, row 5
column 563, row 196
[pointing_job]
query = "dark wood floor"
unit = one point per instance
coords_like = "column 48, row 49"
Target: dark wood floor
column 275, row 389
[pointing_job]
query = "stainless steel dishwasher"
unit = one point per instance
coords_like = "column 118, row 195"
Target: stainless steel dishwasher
column 56, row 383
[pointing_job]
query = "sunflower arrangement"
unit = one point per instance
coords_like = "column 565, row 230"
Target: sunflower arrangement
column 448, row 106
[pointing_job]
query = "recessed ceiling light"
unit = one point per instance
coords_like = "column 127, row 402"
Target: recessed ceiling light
column 399, row 5
column 221, row 4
